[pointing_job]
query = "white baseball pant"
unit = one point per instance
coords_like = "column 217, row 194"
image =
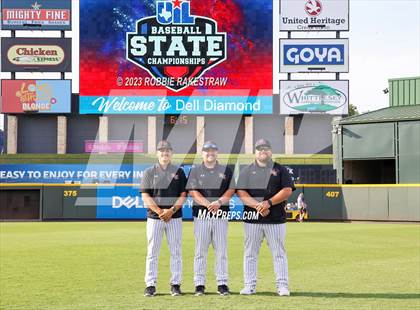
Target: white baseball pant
column 155, row 228
column 275, row 235
column 212, row 231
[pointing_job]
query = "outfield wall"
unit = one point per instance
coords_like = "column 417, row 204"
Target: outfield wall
column 325, row 202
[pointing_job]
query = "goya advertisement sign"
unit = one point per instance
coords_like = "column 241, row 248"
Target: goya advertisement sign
column 173, row 57
column 36, row 15
column 307, row 97
column 314, row 15
column 38, row 54
column 36, row 96
column 314, row 55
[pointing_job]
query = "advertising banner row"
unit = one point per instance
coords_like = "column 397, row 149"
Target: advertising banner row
column 122, row 200
column 54, row 96
column 54, row 55
column 184, row 57
column 127, row 174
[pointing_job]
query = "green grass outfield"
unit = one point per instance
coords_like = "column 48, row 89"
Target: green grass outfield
column 100, row 265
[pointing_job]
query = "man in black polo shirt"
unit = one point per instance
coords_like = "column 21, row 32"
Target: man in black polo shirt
column 264, row 187
column 163, row 192
column 210, row 186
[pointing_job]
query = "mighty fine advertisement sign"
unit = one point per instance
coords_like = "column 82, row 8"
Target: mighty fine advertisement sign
column 37, row 54
column 314, row 55
column 36, row 96
column 314, row 97
column 36, row 15
column 314, row 15
column 191, row 57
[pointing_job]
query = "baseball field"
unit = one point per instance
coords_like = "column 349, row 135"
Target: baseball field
column 100, row 265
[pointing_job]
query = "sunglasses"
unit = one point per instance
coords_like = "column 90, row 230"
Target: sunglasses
column 263, row 148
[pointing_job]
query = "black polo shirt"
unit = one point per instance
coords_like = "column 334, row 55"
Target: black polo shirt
column 165, row 186
column 211, row 183
column 262, row 183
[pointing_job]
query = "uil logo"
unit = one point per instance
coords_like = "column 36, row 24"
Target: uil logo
column 176, row 46
column 174, row 12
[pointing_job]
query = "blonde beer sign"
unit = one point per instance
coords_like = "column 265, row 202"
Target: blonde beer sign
column 314, row 97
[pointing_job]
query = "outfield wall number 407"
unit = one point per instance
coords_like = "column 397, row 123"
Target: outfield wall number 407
column 331, row 194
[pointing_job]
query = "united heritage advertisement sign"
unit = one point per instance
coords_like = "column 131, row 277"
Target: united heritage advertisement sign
column 37, row 54
column 36, row 15
column 314, row 55
column 173, row 57
column 36, row 96
column 310, row 97
column 314, row 15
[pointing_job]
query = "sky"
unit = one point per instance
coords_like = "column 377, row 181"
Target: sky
column 384, row 41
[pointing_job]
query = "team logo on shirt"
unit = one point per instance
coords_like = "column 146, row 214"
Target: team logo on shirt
column 222, row 176
column 274, row 172
column 174, row 176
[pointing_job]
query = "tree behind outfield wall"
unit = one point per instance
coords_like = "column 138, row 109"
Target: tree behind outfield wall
column 353, row 110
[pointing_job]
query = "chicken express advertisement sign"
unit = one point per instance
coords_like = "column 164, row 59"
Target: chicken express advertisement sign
column 174, row 57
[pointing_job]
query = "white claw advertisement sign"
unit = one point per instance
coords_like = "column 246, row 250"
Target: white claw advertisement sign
column 314, row 97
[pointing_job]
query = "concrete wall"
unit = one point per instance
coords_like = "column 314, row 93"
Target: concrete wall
column 312, row 134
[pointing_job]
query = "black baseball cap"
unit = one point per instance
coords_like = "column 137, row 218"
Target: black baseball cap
column 209, row 145
column 262, row 143
column 164, row 145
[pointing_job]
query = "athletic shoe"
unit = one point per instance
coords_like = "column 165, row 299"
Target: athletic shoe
column 283, row 291
column 248, row 291
column 150, row 291
column 223, row 290
column 199, row 290
column 175, row 290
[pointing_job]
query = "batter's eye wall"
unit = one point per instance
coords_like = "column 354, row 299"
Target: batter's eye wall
column 227, row 131
column 312, row 134
column 128, row 128
column 79, row 129
column 270, row 127
column 181, row 135
column 37, row 134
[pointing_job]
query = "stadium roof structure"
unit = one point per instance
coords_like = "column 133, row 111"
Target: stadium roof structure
column 392, row 114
